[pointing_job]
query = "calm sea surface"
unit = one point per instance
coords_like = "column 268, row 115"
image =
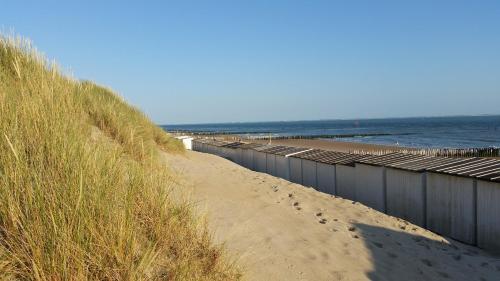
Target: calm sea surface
column 429, row 132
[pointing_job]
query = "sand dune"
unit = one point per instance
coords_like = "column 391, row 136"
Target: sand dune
column 283, row 231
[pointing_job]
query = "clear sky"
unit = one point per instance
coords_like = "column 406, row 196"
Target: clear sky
column 230, row 61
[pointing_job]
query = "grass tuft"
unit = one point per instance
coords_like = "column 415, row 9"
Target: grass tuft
column 83, row 195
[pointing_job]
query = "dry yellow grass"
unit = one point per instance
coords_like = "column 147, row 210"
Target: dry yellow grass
column 74, row 207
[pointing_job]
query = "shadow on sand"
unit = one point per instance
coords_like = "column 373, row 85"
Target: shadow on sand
column 400, row 255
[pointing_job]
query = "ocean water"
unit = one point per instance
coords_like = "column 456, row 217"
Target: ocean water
column 428, row 132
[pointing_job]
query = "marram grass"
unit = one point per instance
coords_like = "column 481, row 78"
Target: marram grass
column 83, row 194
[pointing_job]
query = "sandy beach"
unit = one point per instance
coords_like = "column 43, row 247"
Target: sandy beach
column 279, row 230
column 335, row 145
column 342, row 146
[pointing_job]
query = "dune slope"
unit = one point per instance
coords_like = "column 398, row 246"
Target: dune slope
column 284, row 231
column 83, row 195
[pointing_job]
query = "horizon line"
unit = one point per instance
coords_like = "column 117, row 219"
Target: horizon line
column 330, row 119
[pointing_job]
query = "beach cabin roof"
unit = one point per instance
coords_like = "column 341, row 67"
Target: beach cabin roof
column 291, row 150
column 387, row 159
column 250, row 145
column 329, row 157
column 481, row 168
column 273, row 149
column 233, row 145
column 264, row 147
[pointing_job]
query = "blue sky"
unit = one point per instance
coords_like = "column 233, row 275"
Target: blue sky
column 233, row 61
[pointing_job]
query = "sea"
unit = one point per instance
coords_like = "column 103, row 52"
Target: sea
column 418, row 132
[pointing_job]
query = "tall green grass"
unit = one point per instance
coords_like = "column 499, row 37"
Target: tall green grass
column 83, row 195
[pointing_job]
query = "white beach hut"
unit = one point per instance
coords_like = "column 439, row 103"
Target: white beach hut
column 325, row 173
column 247, row 155
column 196, row 143
column 406, row 188
column 451, row 201
column 271, row 158
column 282, row 160
column 487, row 175
column 488, row 213
column 302, row 169
column 370, row 178
column 345, row 176
column 260, row 158
column 187, row 142
column 326, row 170
column 230, row 151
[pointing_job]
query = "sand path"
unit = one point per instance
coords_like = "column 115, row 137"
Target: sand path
column 284, row 231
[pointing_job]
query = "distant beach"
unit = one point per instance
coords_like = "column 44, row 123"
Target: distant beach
column 467, row 136
column 427, row 133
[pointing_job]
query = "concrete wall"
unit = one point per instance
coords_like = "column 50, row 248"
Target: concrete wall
column 370, row 186
column 345, row 182
column 295, row 170
column 309, row 173
column 259, row 161
column 271, row 164
column 488, row 216
column 405, row 195
column 451, row 209
column 326, row 178
column 283, row 167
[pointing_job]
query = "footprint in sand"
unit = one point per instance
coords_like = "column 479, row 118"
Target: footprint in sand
column 379, row 245
column 426, row 262
column 392, row 255
column 322, row 221
column 443, row 274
